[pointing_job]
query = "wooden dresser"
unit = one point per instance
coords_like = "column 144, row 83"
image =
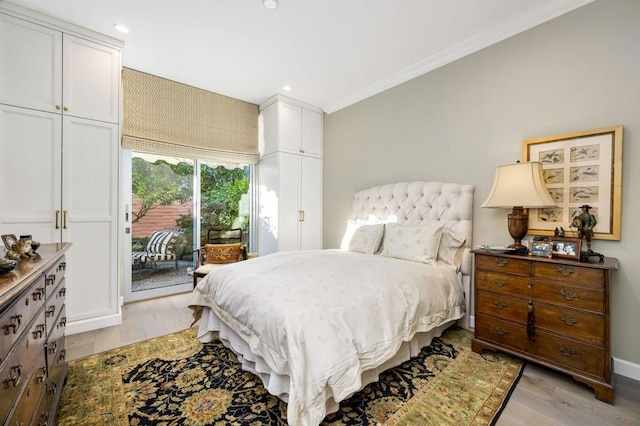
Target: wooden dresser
column 551, row 311
column 32, row 323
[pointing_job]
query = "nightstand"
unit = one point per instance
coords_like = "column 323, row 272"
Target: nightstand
column 551, row 311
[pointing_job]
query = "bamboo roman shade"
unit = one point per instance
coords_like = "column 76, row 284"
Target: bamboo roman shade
column 161, row 116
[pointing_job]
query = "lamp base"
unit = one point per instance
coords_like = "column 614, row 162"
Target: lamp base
column 518, row 224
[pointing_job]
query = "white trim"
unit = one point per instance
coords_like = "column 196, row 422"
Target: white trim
column 91, row 324
column 626, row 368
column 466, row 47
column 278, row 97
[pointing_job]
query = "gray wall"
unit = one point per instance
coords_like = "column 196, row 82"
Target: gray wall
column 580, row 71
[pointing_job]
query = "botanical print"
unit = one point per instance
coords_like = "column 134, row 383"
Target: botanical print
column 584, row 194
column 585, row 174
column 550, row 215
column 557, row 194
column 584, row 153
column 553, row 176
column 553, row 156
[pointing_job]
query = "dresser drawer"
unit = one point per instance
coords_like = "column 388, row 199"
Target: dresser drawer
column 503, row 283
column 56, row 340
column 17, row 317
column 502, row 264
column 570, row 323
column 54, row 275
column 574, row 355
column 506, row 334
column 32, row 394
column 54, row 305
column 574, row 274
column 569, row 296
column 499, row 306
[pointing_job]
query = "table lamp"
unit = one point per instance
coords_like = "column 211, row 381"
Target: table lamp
column 519, row 186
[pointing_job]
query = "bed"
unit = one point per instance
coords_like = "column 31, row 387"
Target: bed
column 317, row 326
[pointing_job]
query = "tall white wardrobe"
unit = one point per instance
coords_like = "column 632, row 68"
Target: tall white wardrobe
column 59, row 152
column 289, row 176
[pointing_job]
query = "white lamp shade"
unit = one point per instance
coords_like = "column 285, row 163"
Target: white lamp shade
column 520, row 184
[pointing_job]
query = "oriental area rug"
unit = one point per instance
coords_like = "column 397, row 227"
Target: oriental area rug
column 176, row 380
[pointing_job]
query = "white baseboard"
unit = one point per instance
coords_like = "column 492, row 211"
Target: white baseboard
column 626, row 368
column 75, row 327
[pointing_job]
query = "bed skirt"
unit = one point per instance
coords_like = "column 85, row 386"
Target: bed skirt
column 210, row 327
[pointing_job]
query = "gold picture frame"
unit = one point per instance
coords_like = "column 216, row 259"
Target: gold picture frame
column 580, row 168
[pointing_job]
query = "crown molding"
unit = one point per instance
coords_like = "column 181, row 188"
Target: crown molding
column 466, row 47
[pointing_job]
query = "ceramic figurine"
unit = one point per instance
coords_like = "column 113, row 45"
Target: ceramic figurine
column 22, row 250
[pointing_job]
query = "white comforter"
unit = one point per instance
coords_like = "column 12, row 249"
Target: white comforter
column 323, row 317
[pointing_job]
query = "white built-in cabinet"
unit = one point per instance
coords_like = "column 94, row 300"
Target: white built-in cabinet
column 290, row 176
column 59, row 152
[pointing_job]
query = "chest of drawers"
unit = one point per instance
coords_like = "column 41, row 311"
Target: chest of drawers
column 554, row 312
column 32, row 322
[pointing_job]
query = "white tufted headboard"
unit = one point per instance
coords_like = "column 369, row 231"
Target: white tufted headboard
column 416, row 203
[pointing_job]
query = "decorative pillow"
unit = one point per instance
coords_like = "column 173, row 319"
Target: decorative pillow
column 367, row 238
column 161, row 242
column 352, row 225
column 222, row 253
column 451, row 249
column 415, row 243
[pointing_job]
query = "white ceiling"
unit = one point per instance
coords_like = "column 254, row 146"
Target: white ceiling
column 332, row 53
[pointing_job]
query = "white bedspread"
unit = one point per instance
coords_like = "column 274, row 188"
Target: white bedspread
column 323, row 317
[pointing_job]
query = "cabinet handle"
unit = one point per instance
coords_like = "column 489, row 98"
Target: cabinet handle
column 569, row 320
column 14, row 376
column 38, row 294
column 39, row 331
column 568, row 350
column 57, row 216
column 501, row 331
column 501, row 261
column 58, row 107
column 301, row 216
column 301, row 151
column 566, row 270
column 569, row 294
column 498, row 304
column 51, row 311
column 66, row 108
column 64, row 219
column 500, row 283
column 15, row 322
column 42, row 373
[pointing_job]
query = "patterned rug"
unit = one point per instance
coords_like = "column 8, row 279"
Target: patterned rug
column 175, row 380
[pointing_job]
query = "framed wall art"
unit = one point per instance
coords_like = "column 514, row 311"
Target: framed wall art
column 581, row 168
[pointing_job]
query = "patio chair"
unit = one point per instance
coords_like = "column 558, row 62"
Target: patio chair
column 223, row 246
column 160, row 248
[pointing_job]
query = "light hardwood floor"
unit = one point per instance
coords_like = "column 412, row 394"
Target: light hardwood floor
column 542, row 397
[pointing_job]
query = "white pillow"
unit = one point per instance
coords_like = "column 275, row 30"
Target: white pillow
column 352, row 225
column 451, row 249
column 367, row 238
column 415, row 243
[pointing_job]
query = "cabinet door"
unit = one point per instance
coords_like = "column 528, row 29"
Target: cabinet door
column 90, row 197
column 30, row 155
column 289, row 202
column 311, row 203
column 91, row 84
column 289, row 128
column 30, row 65
column 311, row 143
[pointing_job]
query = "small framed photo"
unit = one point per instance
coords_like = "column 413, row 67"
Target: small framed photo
column 540, row 248
column 9, row 241
column 567, row 248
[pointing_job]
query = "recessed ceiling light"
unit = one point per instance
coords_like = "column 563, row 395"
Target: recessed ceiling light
column 286, row 88
column 121, row 28
column 270, row 4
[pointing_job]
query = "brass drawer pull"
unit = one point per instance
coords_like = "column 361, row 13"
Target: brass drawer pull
column 14, row 376
column 38, row 294
column 500, row 283
column 501, row 261
column 569, row 294
column 501, row 331
column 39, row 331
column 568, row 350
column 569, row 320
column 498, row 304
column 16, row 321
column 566, row 270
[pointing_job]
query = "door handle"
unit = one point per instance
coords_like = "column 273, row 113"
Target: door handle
column 300, row 215
column 57, row 216
column 64, row 219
